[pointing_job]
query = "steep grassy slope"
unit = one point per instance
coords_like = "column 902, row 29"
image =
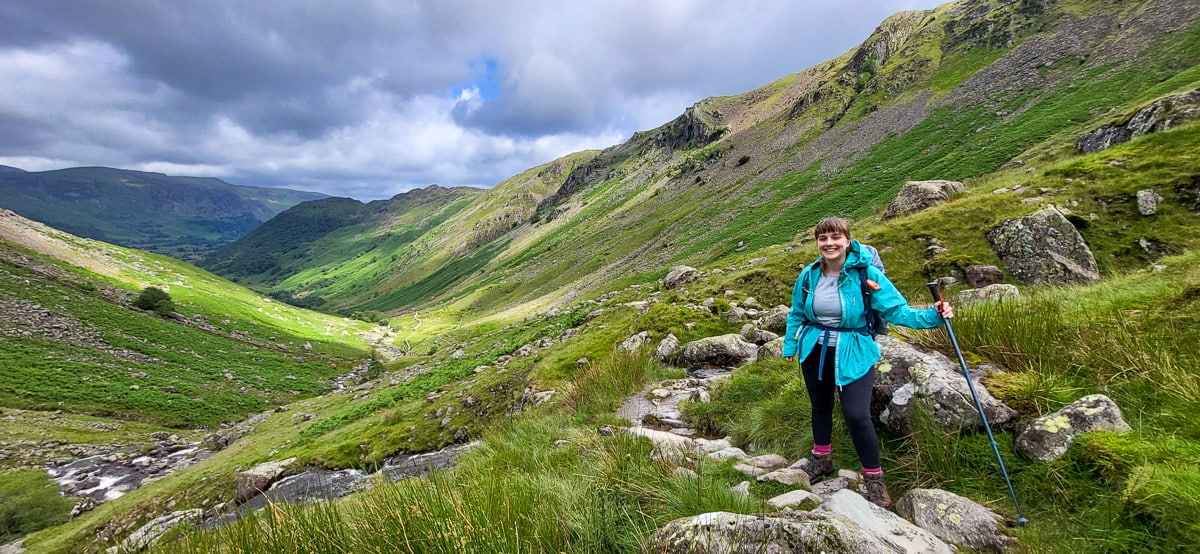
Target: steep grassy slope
column 1133, row 337
column 72, row 341
column 178, row 216
column 949, row 93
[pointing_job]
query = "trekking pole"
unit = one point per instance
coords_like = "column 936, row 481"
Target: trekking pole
column 937, row 297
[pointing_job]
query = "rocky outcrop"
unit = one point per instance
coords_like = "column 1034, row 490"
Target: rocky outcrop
column 789, row 531
column 773, row 349
column 258, row 478
column 915, row 196
column 990, row 293
column 1044, row 247
column 889, row 527
column 149, row 533
column 679, row 275
column 1156, row 117
column 722, row 351
column 1048, row 437
column 954, row 519
column 908, row 378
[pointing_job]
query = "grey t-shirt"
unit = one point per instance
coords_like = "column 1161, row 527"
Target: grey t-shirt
column 827, row 305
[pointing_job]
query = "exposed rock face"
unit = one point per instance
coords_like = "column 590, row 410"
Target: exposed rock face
column 667, row 349
column 1044, row 247
column 1048, row 437
column 889, row 527
column 990, row 293
column 1156, row 117
column 915, row 196
column 149, row 533
column 907, row 377
column 787, row 532
column 954, row 519
column 258, row 478
column 679, row 275
column 798, row 498
column 1148, row 201
column 721, row 351
column 984, row 275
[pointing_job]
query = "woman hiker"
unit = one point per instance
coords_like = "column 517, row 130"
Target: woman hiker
column 828, row 330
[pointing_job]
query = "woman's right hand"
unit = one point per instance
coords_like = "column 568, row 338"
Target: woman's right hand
column 790, row 358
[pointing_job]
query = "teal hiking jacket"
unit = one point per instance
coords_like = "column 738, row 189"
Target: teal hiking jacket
column 856, row 352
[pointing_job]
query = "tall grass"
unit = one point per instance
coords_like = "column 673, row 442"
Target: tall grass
column 517, row 493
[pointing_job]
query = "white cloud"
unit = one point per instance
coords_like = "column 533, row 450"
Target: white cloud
column 369, row 100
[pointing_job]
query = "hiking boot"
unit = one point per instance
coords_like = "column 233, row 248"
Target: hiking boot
column 877, row 491
column 818, row 466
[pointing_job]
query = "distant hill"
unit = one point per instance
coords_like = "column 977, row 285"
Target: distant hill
column 955, row 92
column 182, row 217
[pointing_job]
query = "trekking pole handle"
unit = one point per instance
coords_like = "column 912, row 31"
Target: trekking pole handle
column 935, row 289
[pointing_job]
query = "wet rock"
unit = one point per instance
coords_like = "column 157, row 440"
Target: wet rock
column 679, row 275
column 990, row 293
column 1044, row 248
column 720, row 351
column 916, row 196
column 954, row 519
column 1048, row 437
column 1147, row 201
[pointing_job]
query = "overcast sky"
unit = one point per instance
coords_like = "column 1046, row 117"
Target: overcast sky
column 368, row 99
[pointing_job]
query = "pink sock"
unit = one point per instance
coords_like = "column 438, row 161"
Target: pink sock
column 873, row 470
column 822, row 448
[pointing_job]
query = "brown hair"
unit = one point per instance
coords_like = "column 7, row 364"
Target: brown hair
column 832, row 224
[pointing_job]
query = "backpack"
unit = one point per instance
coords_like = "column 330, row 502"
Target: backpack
column 876, row 325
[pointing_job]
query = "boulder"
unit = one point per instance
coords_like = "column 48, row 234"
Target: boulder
column 1044, row 247
column 773, row 349
column 761, row 337
column 991, row 293
column 667, row 349
column 720, row 351
column 774, row 320
column 148, row 534
column 1048, row 437
column 260, row 477
column 915, row 196
column 1155, row 117
column 907, row 377
column 768, row 462
column 679, row 275
column 800, row 499
column 890, row 527
column 954, row 519
column 787, row 476
column 1147, row 201
column 734, row 315
column 635, row 342
column 788, row 531
column 984, row 275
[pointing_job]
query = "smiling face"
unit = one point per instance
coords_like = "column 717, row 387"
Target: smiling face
column 832, row 246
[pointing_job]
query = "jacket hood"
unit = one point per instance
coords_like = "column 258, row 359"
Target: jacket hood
column 858, row 256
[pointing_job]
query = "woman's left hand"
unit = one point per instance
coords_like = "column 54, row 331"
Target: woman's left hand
column 944, row 309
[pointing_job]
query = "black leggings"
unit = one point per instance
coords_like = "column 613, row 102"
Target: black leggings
column 856, row 406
